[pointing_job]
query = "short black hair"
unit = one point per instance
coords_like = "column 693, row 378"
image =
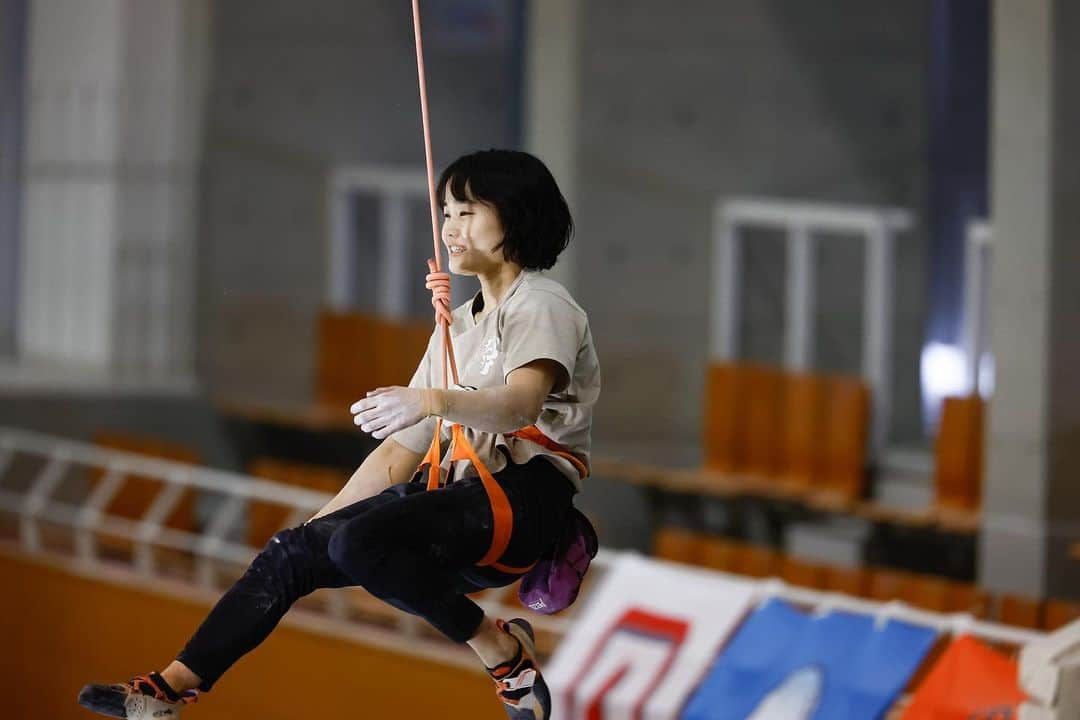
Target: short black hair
column 532, row 210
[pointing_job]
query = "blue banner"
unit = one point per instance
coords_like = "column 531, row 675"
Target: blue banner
column 786, row 665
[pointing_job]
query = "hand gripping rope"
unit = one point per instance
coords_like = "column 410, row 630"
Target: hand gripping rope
column 438, row 282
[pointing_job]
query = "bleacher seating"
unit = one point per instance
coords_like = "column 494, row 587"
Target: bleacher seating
column 802, row 573
column 345, row 361
column 761, row 421
column 958, row 455
column 718, row 554
column 847, row 424
column 971, row 599
column 928, row 592
column 1019, row 611
column 848, row 581
column 722, row 419
column 803, row 433
column 931, row 593
column 678, row 545
column 756, row 561
column 802, row 418
column 889, row 584
column 1059, row 613
column 358, row 352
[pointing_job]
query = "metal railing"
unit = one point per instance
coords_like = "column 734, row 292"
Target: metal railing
column 31, row 500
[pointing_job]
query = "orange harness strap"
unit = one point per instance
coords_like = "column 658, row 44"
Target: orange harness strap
column 533, row 434
column 501, row 512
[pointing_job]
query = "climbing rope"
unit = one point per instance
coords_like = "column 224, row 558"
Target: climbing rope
column 438, row 282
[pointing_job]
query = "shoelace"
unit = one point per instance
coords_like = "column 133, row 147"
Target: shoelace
column 145, row 681
column 525, row 678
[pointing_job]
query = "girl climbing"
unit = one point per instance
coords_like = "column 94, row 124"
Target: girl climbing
column 517, row 420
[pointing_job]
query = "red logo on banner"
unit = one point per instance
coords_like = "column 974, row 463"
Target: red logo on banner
column 636, row 651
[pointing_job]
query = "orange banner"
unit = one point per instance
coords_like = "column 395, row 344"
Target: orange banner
column 971, row 681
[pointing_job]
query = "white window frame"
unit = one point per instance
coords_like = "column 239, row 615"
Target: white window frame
column 878, row 227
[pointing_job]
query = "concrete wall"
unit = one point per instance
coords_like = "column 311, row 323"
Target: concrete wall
column 1031, row 499
column 299, row 88
column 717, row 97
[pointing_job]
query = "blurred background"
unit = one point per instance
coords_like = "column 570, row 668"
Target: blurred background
column 827, row 251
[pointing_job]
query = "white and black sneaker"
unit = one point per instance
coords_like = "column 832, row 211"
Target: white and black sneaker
column 146, row 697
column 518, row 681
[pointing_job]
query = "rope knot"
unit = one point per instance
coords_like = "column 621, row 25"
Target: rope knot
column 439, row 285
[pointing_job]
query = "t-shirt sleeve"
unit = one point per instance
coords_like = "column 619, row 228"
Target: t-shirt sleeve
column 542, row 326
column 418, row 437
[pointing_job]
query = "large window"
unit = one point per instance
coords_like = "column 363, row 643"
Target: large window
column 379, row 242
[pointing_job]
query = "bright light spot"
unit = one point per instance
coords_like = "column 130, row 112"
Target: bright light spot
column 944, row 373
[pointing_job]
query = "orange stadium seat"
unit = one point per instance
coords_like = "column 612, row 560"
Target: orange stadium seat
column 721, row 432
column 1019, row 611
column 345, row 363
column 850, row 581
column 756, row 561
column 764, row 390
column 802, row 573
column 677, row 545
column 847, row 418
column 958, row 454
column 358, row 352
column 802, row 437
column 969, row 598
column 930, row 592
column 719, row 553
column 887, row 584
column 398, row 348
column 1059, row 613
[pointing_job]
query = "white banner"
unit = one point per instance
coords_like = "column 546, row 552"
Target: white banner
column 648, row 635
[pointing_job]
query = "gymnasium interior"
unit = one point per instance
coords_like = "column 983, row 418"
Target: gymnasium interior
column 827, row 252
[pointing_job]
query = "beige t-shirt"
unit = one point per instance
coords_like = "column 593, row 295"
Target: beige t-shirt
column 537, row 319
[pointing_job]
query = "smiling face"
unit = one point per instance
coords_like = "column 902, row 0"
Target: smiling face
column 472, row 233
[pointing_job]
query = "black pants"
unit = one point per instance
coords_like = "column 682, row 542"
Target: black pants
column 414, row 549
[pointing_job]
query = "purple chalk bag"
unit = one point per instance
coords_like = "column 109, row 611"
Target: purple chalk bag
column 553, row 583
